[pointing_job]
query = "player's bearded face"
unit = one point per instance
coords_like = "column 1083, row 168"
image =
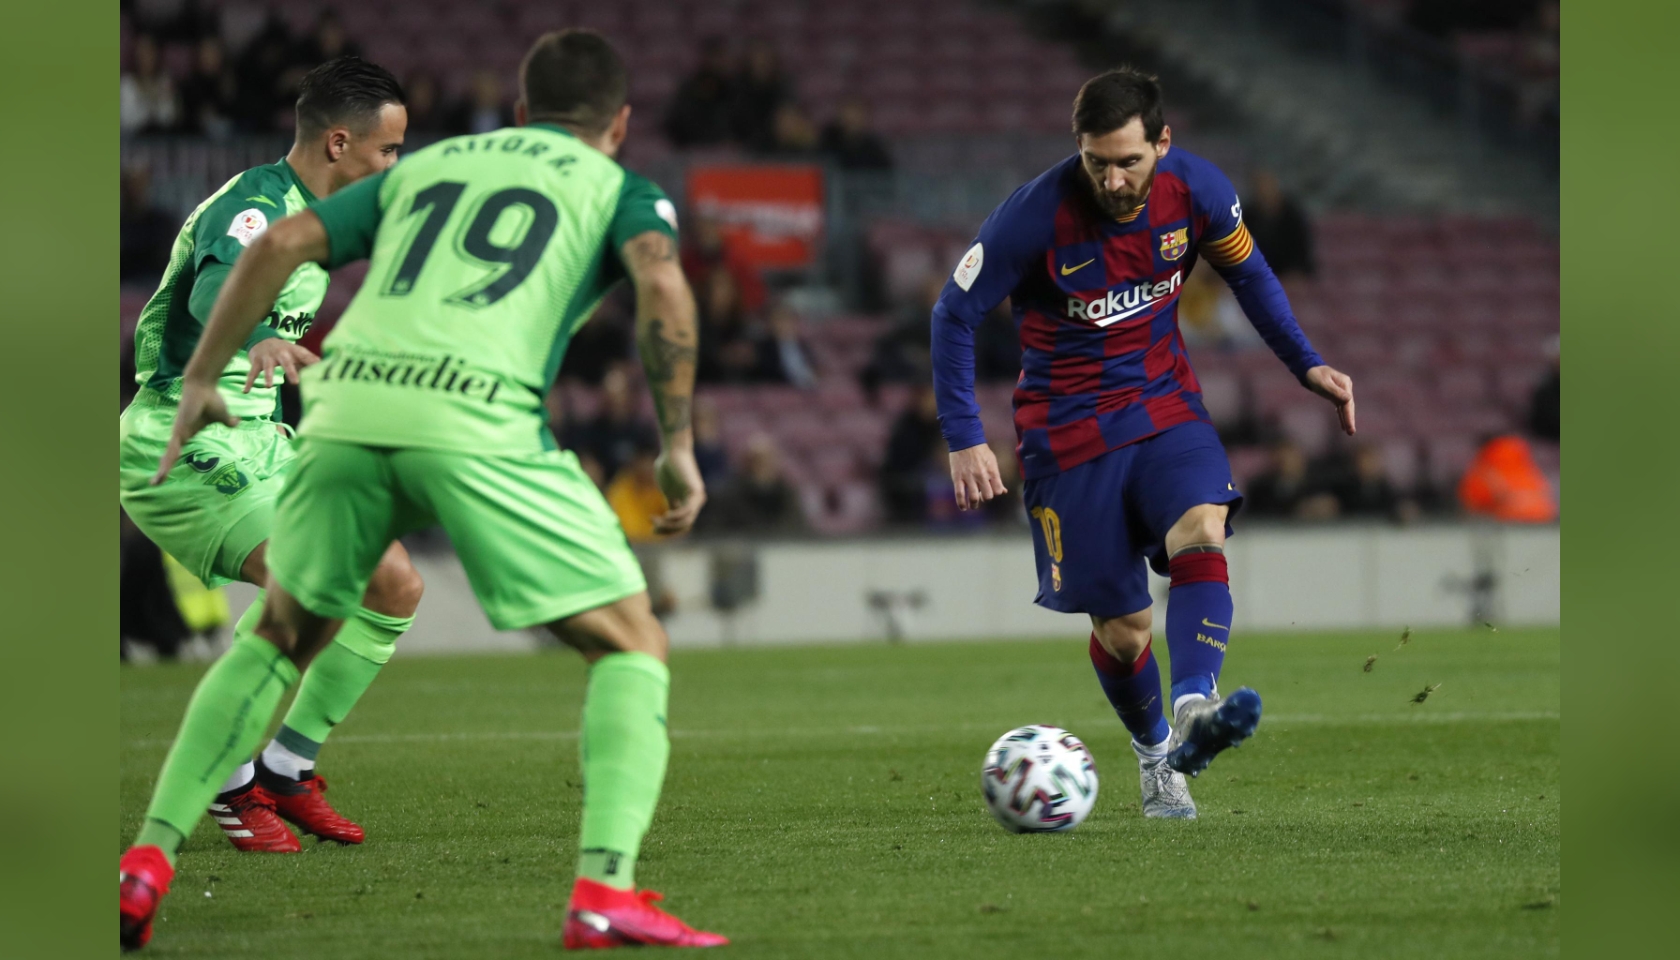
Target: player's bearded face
column 1123, row 198
column 1120, row 167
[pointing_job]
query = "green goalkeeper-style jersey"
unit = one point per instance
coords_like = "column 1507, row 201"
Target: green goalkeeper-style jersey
column 212, row 239
column 487, row 252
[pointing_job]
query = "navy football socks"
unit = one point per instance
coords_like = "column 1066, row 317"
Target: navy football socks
column 1134, row 689
column 1198, row 622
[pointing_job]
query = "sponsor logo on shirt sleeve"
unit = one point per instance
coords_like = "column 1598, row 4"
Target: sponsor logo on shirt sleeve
column 248, row 225
column 969, row 268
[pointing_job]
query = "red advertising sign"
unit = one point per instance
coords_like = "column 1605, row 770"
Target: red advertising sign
column 773, row 216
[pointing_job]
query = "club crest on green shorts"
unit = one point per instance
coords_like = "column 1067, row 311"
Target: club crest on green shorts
column 228, row 480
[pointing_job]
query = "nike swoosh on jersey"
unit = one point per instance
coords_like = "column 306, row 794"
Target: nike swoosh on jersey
column 1067, row 269
column 1129, row 313
column 1217, row 626
column 264, row 200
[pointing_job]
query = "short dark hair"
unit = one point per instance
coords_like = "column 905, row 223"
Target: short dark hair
column 347, row 90
column 574, row 77
column 1111, row 100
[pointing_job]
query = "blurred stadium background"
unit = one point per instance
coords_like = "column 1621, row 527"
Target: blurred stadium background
column 831, row 162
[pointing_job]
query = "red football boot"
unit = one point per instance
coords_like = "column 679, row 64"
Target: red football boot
column 143, row 876
column 247, row 819
column 600, row 917
column 311, row 812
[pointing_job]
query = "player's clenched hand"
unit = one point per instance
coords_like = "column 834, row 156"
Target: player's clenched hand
column 679, row 479
column 275, row 352
column 974, row 472
column 200, row 406
column 1336, row 387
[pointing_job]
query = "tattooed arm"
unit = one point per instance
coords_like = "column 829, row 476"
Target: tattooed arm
column 668, row 340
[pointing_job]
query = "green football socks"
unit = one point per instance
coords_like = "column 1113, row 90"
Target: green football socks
column 624, row 748
column 334, row 682
column 224, row 722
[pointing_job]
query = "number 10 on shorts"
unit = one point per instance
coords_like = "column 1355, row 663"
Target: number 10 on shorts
column 1052, row 525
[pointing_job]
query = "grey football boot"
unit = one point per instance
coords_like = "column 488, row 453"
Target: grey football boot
column 1166, row 794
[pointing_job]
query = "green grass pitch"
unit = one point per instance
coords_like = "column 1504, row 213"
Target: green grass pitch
column 824, row 802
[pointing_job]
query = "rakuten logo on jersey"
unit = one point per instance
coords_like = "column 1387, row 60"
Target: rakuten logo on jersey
column 1125, row 302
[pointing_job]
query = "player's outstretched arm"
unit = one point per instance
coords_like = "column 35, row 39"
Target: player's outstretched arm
column 668, row 339
column 246, row 297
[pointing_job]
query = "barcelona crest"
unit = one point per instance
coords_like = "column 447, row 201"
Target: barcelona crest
column 1174, row 243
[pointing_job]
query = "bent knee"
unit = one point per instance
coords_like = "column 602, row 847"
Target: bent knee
column 650, row 639
column 634, row 629
column 396, row 587
column 281, row 633
column 1125, row 637
column 627, row 626
column 1204, row 524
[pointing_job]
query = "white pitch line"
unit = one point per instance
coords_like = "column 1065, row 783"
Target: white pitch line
column 1287, row 719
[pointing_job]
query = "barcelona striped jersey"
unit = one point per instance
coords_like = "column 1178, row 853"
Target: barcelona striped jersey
column 1095, row 302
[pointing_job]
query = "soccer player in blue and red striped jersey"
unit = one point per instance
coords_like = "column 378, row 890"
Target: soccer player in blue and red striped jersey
column 1120, row 463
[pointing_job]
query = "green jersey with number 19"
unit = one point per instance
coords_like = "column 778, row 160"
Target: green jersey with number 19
column 487, row 252
column 212, row 239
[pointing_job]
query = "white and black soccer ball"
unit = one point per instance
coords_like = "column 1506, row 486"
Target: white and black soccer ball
column 1038, row 779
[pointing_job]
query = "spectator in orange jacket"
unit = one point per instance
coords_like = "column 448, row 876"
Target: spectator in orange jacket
column 1504, row 483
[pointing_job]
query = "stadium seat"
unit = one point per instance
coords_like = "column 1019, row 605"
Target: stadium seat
column 1400, row 461
column 1222, row 394
column 1310, row 426
column 728, row 400
column 740, row 427
column 1467, row 385
column 833, row 465
column 1514, row 386
column 1248, row 463
column 1448, row 456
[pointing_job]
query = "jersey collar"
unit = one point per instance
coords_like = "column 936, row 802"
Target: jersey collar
column 545, row 125
column 302, row 188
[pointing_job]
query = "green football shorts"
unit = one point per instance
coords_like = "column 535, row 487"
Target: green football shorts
column 538, row 541
column 217, row 504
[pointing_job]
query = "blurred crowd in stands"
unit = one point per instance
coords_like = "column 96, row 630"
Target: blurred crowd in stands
column 747, row 100
column 807, row 422
column 180, row 77
column 1517, row 38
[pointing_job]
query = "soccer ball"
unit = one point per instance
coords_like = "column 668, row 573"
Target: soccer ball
column 1038, row 779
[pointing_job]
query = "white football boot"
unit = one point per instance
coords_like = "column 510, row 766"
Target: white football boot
column 1166, row 794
